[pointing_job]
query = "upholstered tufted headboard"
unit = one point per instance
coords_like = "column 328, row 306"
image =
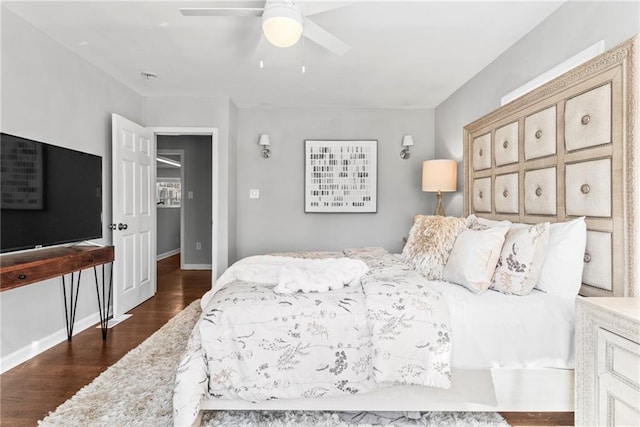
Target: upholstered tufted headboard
column 565, row 150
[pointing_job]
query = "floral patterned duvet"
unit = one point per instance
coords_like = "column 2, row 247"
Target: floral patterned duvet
column 254, row 344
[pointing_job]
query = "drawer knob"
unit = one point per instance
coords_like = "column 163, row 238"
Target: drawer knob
column 587, row 257
column 480, row 195
column 538, row 191
column 505, row 144
column 505, row 193
column 585, row 188
column 585, row 119
column 480, row 152
column 22, row 276
column 539, row 134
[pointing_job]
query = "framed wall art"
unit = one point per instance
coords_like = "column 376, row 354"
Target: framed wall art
column 340, row 176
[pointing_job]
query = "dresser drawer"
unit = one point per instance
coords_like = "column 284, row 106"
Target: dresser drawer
column 94, row 258
column 25, row 268
column 618, row 404
column 618, row 357
column 618, row 380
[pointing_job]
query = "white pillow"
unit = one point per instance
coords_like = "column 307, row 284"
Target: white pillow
column 521, row 259
column 473, row 258
column 478, row 223
column 562, row 268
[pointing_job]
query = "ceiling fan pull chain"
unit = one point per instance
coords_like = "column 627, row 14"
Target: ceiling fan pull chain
column 303, row 67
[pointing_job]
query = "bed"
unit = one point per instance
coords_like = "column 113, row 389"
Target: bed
column 399, row 337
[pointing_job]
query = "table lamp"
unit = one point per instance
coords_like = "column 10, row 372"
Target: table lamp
column 437, row 176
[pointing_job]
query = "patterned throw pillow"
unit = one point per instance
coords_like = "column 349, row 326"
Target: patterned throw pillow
column 430, row 241
column 521, row 259
column 479, row 223
column 474, row 256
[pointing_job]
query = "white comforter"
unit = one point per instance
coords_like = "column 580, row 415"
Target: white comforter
column 293, row 274
column 255, row 344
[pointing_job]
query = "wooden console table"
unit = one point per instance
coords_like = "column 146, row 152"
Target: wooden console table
column 24, row 268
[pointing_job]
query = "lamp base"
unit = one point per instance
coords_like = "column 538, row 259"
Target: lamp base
column 439, row 208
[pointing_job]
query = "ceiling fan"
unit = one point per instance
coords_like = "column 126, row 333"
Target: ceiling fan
column 283, row 21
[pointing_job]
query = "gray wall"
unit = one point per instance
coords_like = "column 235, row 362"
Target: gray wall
column 571, row 29
column 277, row 221
column 196, row 163
column 50, row 94
column 201, row 112
column 168, row 226
column 232, row 211
column 167, row 219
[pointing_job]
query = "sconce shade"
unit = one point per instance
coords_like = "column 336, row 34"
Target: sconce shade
column 439, row 175
column 264, row 140
column 407, row 141
column 282, row 24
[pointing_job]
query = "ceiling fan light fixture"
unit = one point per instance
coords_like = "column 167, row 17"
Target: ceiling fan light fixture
column 282, row 24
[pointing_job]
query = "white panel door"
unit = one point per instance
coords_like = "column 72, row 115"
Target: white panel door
column 133, row 171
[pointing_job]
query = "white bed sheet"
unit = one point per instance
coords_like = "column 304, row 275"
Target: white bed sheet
column 493, row 330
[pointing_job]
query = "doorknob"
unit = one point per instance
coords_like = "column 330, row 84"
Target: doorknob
column 122, row 226
column 112, row 226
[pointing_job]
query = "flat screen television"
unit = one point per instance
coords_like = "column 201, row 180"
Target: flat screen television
column 49, row 195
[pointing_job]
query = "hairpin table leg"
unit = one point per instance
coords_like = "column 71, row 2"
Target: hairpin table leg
column 104, row 298
column 70, row 307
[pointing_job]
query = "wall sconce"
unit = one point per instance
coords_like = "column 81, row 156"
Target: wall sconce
column 439, row 176
column 407, row 141
column 265, row 143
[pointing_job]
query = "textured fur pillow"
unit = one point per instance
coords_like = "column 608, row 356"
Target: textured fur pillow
column 430, row 241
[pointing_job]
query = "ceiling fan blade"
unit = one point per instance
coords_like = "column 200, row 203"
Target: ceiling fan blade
column 309, row 8
column 317, row 34
column 222, row 11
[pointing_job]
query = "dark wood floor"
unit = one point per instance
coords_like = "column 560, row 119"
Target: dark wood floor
column 33, row 389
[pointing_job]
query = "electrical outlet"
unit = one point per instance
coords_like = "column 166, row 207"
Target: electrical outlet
column 254, row 193
column 199, row 246
column 190, row 195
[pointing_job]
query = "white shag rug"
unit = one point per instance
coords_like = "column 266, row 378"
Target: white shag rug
column 138, row 391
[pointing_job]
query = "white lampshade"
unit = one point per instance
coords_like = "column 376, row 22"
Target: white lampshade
column 264, row 139
column 407, row 141
column 282, row 24
column 439, row 175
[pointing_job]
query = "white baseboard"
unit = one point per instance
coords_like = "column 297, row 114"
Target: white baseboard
column 167, row 254
column 196, row 267
column 19, row 356
column 116, row 321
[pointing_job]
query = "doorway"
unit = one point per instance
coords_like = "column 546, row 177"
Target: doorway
column 197, row 150
column 169, row 201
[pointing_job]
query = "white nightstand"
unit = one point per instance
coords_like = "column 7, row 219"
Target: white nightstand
column 607, row 362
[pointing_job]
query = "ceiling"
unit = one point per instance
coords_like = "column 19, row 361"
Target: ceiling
column 404, row 54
